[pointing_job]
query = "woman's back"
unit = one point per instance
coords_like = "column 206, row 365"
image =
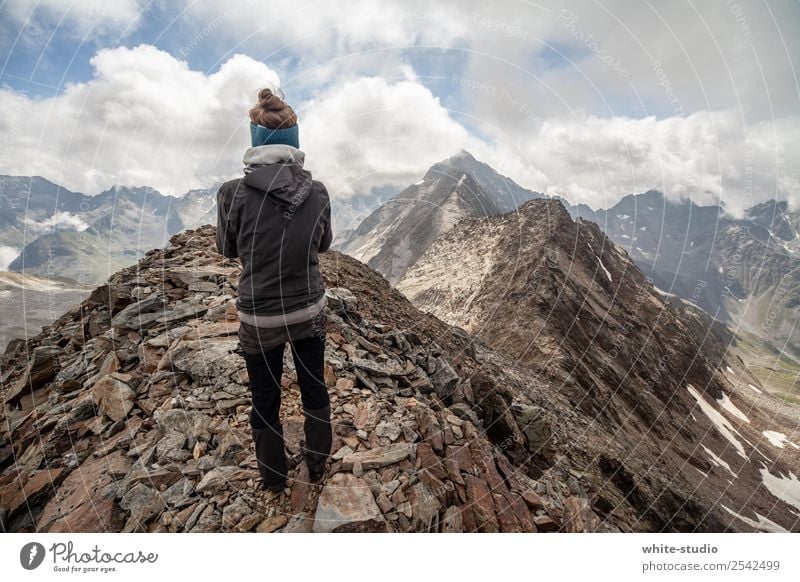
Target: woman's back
column 276, row 220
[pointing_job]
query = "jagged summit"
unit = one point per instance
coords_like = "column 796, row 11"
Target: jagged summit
column 392, row 238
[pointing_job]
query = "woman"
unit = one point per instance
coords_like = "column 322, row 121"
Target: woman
column 276, row 219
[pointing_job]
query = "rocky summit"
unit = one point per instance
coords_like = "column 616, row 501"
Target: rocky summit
column 131, row 413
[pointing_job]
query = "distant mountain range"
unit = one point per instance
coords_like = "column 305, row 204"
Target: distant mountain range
column 744, row 272
column 57, row 232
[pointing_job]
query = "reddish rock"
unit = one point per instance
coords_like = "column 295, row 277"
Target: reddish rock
column 346, row 504
column 149, row 357
column 479, row 497
column 452, row 521
column 16, row 497
column 522, row 513
column 344, row 385
column 429, row 427
column 578, row 516
column 545, row 523
column 114, row 397
column 85, row 502
column 425, row 505
column 533, row 499
column 427, row 459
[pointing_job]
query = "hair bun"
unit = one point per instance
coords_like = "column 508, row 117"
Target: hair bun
column 272, row 111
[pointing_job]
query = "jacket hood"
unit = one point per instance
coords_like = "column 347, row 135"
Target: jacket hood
column 287, row 183
column 272, row 154
column 277, row 170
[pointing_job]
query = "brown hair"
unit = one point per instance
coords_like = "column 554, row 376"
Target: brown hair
column 272, row 112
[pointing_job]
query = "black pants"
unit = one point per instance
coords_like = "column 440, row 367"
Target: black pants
column 265, row 368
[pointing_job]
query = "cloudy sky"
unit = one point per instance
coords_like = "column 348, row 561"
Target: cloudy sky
column 590, row 100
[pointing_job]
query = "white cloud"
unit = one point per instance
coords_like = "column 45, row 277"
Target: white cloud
column 58, row 221
column 559, row 55
column 705, row 156
column 144, row 119
column 370, row 132
column 79, row 18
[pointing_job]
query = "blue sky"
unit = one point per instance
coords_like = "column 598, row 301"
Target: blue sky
column 587, row 100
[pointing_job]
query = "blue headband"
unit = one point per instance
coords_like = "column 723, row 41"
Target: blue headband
column 260, row 135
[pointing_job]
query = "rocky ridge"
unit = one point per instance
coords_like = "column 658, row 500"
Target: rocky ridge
column 655, row 382
column 130, row 413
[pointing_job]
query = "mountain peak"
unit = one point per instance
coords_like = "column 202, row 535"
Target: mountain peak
column 463, row 155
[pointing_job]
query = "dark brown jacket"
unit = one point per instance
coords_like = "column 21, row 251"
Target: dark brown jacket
column 276, row 219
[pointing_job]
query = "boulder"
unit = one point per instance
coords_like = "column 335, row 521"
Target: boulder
column 140, row 315
column 114, row 397
column 346, row 504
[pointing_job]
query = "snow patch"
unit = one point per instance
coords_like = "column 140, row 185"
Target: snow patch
column 784, row 488
column 720, row 422
column 762, row 524
column 7, row 256
column 718, row 461
column 599, row 260
column 777, row 439
column 726, row 404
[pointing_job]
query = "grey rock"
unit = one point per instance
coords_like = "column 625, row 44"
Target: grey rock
column 173, row 441
column 464, row 412
column 390, row 430
column 187, row 422
column 390, row 368
column 378, row 457
column 140, row 315
column 444, row 379
column 209, row 521
column 219, row 477
column 346, row 504
column 534, row 425
column 341, row 300
column 233, row 514
column 203, row 360
column 342, row 453
column 143, row 503
column 178, row 494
